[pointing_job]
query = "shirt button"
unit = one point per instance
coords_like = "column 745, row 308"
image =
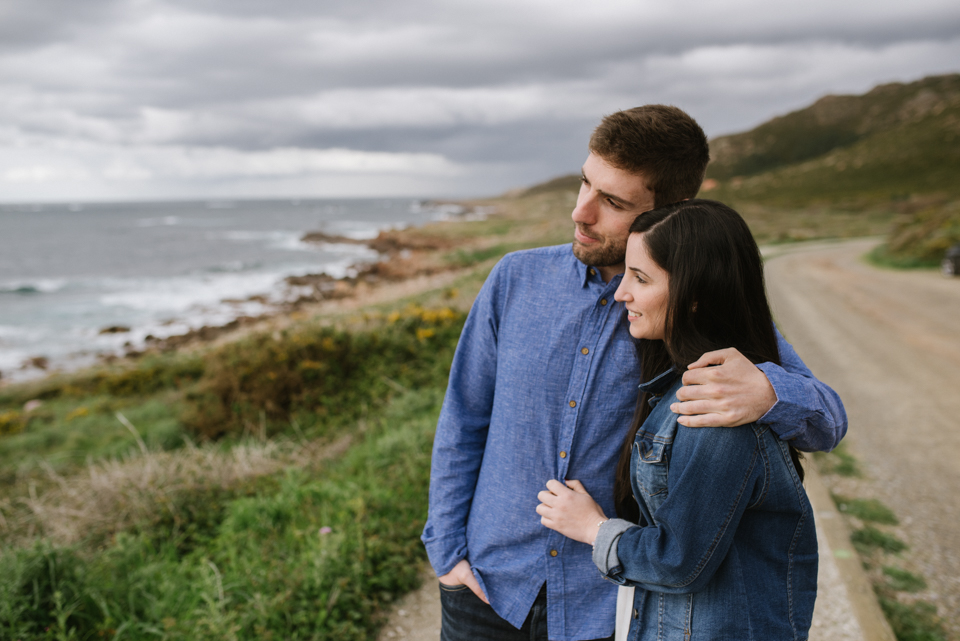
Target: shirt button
column 563, row 455
column 603, row 301
column 636, row 615
column 573, row 403
column 553, row 553
column 584, row 351
column 593, row 272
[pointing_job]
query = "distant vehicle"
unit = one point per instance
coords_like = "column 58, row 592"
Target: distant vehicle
column 950, row 266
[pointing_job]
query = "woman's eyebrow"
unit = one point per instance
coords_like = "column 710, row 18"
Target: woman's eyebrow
column 637, row 270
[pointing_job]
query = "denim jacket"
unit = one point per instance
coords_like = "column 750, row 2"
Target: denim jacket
column 726, row 547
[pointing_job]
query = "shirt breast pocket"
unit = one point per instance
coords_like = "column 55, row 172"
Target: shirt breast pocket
column 624, row 354
column 651, row 471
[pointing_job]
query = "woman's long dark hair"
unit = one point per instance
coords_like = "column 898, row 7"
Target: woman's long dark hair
column 716, row 300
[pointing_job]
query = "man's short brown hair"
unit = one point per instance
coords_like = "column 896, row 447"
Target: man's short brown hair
column 660, row 142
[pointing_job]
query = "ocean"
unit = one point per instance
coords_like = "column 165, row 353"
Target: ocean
column 67, row 272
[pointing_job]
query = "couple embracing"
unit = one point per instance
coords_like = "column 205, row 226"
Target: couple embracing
column 626, row 414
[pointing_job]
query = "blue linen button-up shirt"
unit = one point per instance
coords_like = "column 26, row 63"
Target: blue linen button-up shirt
column 543, row 386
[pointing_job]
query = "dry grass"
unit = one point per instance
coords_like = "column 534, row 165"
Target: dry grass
column 117, row 494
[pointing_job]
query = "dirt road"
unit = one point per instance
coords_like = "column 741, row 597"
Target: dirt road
column 889, row 343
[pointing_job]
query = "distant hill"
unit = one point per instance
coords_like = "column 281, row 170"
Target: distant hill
column 893, row 142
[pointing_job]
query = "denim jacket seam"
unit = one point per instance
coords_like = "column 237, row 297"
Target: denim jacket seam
column 804, row 515
column 719, row 535
column 758, row 431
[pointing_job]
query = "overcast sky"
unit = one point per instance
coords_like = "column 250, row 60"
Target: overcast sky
column 176, row 99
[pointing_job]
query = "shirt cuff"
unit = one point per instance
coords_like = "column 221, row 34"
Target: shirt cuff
column 605, row 547
column 445, row 552
column 779, row 378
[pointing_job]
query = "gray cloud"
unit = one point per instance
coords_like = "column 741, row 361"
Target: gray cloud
column 509, row 91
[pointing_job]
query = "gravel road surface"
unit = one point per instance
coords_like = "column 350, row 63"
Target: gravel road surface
column 889, row 343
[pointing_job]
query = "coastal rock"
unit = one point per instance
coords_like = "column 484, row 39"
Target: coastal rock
column 115, row 329
column 39, row 362
column 321, row 237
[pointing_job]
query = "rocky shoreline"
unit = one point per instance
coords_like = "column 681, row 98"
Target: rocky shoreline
column 403, row 255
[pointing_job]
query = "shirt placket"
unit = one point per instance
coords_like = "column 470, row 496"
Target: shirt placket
column 592, row 333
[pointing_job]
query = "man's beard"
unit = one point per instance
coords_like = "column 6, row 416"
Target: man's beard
column 605, row 255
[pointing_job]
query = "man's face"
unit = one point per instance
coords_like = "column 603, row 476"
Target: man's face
column 609, row 201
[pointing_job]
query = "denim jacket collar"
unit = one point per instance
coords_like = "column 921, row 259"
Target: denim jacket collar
column 658, row 385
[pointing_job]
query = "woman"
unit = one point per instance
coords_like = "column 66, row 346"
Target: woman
column 720, row 541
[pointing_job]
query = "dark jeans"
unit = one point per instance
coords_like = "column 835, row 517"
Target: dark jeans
column 466, row 618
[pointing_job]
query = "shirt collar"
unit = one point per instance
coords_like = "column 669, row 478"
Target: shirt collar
column 583, row 272
column 661, row 383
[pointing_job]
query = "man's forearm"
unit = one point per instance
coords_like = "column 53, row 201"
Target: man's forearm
column 807, row 412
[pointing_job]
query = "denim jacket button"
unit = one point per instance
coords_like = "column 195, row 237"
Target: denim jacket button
column 636, row 615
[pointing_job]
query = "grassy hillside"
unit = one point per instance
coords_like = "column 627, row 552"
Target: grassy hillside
column 893, row 142
column 884, row 163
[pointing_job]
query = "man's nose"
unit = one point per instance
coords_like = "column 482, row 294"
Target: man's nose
column 586, row 210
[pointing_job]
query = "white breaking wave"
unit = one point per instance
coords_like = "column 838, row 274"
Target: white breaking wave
column 40, row 286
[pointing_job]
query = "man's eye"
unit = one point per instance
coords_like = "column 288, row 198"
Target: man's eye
column 614, row 204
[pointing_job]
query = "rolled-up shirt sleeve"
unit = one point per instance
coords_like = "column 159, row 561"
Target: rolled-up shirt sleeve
column 605, row 547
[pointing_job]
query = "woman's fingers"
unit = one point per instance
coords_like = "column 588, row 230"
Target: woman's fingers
column 555, row 486
column 547, row 498
column 577, row 486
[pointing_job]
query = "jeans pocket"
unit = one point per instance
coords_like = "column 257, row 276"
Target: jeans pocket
column 453, row 588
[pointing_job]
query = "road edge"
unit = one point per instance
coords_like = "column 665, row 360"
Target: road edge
column 866, row 608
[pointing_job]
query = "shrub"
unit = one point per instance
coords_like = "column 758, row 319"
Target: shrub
column 327, row 372
column 11, row 422
column 922, row 238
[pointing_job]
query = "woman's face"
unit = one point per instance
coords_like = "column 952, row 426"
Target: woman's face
column 644, row 291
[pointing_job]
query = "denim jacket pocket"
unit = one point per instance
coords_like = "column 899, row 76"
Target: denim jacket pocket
column 650, row 471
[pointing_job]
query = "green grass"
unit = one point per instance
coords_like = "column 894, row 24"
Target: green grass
column 869, row 538
column 882, row 257
column 839, row 461
column 866, row 510
column 315, row 552
column 303, row 556
column 902, row 580
column 66, row 432
column 913, row 621
column 910, row 621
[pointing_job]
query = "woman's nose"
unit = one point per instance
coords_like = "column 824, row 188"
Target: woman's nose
column 622, row 295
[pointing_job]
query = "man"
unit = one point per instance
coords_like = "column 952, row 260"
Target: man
column 543, row 386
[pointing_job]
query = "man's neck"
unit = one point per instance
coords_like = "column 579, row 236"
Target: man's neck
column 608, row 272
